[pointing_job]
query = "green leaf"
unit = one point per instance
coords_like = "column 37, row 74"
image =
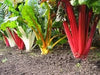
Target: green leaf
column 8, row 2
column 97, row 3
column 0, row 4
column 10, row 24
column 94, row 4
column 1, row 14
column 29, row 16
column 57, row 24
column 39, row 42
column 74, row 2
column 33, row 12
column 41, row 12
column 82, row 1
column 20, row 7
column 11, row 7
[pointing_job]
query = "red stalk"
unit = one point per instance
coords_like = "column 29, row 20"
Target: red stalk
column 82, row 26
column 73, row 24
column 78, row 38
column 88, row 45
column 17, row 40
column 67, row 31
column 90, row 13
column 6, row 40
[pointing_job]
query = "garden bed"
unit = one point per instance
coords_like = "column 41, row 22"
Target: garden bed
column 58, row 62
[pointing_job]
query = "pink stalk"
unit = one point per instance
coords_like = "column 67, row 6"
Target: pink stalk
column 67, row 31
column 89, row 16
column 11, row 33
column 17, row 40
column 78, row 37
column 82, row 26
column 6, row 40
column 73, row 24
column 88, row 45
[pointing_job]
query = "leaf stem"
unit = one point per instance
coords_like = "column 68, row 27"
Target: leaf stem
column 58, row 41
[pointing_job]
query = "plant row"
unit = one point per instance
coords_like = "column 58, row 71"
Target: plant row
column 27, row 23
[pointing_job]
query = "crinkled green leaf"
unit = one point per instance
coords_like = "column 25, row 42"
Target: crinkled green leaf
column 0, row 4
column 11, row 8
column 41, row 12
column 29, row 16
column 74, row 2
column 33, row 11
column 57, row 24
column 82, row 1
column 10, row 24
column 20, row 7
column 8, row 2
column 94, row 4
column 1, row 14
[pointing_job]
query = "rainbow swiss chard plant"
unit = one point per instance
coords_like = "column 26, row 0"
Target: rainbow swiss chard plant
column 78, row 34
column 39, row 20
column 22, row 35
column 28, row 37
column 3, row 16
column 6, row 41
column 26, row 34
column 13, row 38
column 17, row 31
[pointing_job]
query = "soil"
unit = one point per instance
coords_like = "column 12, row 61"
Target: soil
column 60, row 61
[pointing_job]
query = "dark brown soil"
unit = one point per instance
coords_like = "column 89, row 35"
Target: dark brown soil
column 58, row 62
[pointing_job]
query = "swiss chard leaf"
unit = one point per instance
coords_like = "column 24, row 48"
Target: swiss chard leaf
column 10, row 24
column 94, row 4
column 11, row 7
column 29, row 16
column 82, row 1
column 36, row 15
column 41, row 12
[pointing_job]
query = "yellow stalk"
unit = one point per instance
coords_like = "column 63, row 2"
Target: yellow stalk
column 39, row 31
column 40, row 36
column 44, row 51
column 52, row 39
column 58, row 41
column 47, row 34
column 37, row 36
column 50, row 29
